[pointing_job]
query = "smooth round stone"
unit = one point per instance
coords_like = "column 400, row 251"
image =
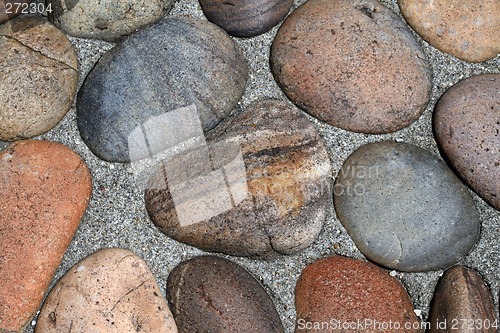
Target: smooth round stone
column 462, row 302
column 106, row 19
column 352, row 64
column 212, row 294
column 110, row 291
column 468, row 30
column 272, row 163
column 7, row 11
column 246, row 18
column 44, row 193
column 467, row 128
column 404, row 208
column 38, row 78
column 173, row 64
column 336, row 294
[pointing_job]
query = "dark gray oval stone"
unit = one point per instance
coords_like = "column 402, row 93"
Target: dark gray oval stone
column 404, row 208
column 178, row 62
column 462, row 303
column 261, row 189
column 212, row 294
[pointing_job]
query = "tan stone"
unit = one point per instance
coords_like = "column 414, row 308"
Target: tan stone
column 468, row 30
column 110, row 291
column 38, row 78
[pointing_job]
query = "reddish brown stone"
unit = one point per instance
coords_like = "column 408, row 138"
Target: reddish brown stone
column 462, row 303
column 352, row 64
column 337, row 291
column 44, row 193
column 467, row 127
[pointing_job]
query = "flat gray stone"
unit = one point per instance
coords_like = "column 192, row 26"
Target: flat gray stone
column 176, row 63
column 404, row 208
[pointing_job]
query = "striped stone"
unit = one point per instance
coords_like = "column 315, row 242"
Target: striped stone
column 279, row 205
column 246, row 18
column 178, row 62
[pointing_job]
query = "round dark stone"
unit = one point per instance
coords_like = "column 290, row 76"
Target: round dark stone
column 212, row 294
column 246, row 18
column 467, row 128
column 404, row 208
column 175, row 63
column 352, row 64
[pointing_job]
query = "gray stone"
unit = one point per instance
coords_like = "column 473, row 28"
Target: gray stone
column 212, row 294
column 404, row 208
column 106, row 19
column 175, row 63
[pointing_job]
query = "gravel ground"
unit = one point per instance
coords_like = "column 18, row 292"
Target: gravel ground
column 117, row 217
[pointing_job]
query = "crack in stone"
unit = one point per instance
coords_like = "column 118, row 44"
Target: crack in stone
column 38, row 52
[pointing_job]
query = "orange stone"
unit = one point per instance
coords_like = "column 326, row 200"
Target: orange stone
column 44, row 190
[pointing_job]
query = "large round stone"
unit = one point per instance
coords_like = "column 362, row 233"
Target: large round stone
column 352, row 64
column 212, row 294
column 38, row 78
column 106, row 19
column 246, row 18
column 467, row 127
column 404, row 208
column 339, row 294
column 45, row 189
column 173, row 64
column 468, row 30
column 260, row 187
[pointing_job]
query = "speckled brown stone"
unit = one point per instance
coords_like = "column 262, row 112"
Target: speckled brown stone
column 110, row 291
column 38, row 78
column 44, row 193
column 288, row 185
column 246, row 18
column 462, row 301
column 352, row 64
column 347, row 290
column 468, row 30
column 467, row 128
column 212, row 294
column 7, row 11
